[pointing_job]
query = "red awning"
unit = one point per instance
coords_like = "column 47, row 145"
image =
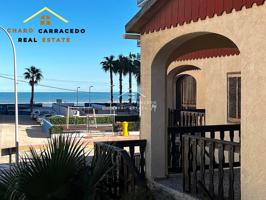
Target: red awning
column 209, row 53
column 162, row 14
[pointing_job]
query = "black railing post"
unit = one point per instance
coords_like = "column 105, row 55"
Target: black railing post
column 189, row 117
column 175, row 135
column 124, row 175
column 216, row 179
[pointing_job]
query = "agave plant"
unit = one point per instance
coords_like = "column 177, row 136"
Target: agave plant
column 60, row 172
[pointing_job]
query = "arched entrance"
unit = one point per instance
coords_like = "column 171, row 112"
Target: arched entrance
column 154, row 123
column 186, row 93
column 173, row 75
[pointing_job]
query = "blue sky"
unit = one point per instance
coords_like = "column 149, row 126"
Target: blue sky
column 104, row 21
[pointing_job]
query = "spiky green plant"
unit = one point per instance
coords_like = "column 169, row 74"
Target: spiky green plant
column 60, row 172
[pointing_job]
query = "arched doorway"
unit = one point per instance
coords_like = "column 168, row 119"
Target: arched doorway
column 186, row 93
column 173, row 74
column 191, row 46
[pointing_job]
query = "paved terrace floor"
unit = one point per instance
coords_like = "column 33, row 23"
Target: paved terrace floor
column 31, row 134
column 175, row 182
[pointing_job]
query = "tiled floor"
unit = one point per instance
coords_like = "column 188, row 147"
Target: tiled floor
column 175, row 182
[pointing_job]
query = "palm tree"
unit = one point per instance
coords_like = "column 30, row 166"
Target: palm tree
column 34, row 75
column 137, row 65
column 132, row 68
column 108, row 66
column 137, row 73
column 60, row 171
column 121, row 69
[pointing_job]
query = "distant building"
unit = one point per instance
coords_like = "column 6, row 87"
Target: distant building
column 23, row 109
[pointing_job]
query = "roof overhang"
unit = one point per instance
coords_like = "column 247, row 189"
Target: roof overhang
column 143, row 16
column 131, row 36
column 160, row 14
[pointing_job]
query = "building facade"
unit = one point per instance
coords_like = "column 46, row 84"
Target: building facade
column 205, row 54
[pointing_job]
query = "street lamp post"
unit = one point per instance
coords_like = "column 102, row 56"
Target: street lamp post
column 78, row 96
column 90, row 94
column 15, row 91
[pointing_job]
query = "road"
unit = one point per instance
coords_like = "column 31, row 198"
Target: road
column 30, row 134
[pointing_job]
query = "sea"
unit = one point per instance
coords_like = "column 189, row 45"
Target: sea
column 66, row 97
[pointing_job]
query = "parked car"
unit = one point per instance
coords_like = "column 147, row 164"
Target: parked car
column 35, row 114
column 42, row 113
column 42, row 117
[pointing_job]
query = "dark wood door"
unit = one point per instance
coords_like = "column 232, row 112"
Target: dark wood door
column 186, row 93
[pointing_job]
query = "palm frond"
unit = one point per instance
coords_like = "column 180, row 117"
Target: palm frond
column 33, row 74
column 53, row 174
column 108, row 63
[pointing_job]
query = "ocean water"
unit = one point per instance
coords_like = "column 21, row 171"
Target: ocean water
column 67, row 97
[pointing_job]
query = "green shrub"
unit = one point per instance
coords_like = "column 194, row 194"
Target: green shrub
column 56, row 129
column 57, row 120
column 127, row 118
column 105, row 120
column 133, row 126
column 80, row 120
column 77, row 120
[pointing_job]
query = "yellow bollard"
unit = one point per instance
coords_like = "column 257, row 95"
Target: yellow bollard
column 125, row 129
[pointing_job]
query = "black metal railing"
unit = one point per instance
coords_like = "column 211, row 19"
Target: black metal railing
column 191, row 117
column 213, row 176
column 126, row 174
column 223, row 132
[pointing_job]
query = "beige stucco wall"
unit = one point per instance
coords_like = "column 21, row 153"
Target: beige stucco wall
column 212, row 85
column 247, row 29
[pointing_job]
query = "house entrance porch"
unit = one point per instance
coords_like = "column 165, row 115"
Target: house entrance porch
column 180, row 75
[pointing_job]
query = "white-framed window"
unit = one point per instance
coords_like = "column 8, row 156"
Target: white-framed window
column 234, row 97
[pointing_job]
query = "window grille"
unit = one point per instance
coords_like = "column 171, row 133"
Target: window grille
column 234, row 97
